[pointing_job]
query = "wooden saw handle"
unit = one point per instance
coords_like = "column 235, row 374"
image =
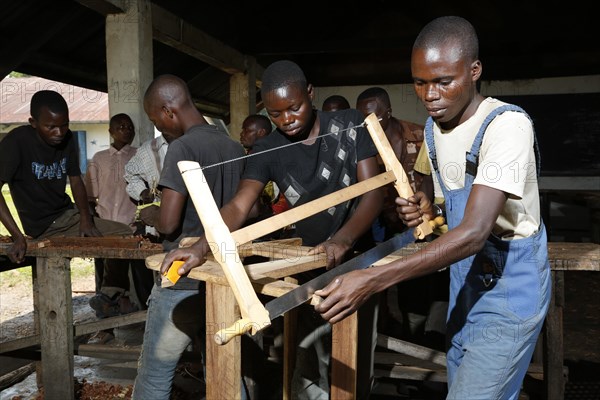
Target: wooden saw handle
column 238, row 328
column 391, row 163
column 244, row 325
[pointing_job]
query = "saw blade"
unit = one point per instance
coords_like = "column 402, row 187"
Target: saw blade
column 303, row 293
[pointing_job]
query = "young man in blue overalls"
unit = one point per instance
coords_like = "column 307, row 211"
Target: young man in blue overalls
column 496, row 245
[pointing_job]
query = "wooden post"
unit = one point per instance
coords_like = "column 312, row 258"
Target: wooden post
column 223, row 367
column 56, row 326
column 344, row 360
column 36, row 319
column 242, row 97
column 290, row 322
column 554, row 382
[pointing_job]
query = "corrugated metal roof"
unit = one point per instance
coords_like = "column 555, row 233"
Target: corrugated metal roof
column 85, row 105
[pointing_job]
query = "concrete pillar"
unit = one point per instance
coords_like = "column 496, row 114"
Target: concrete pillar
column 242, row 97
column 129, row 64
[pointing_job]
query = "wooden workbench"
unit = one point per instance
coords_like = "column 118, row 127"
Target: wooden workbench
column 53, row 307
column 53, row 310
column 223, row 362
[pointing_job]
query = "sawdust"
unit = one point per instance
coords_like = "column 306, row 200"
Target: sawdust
column 16, row 321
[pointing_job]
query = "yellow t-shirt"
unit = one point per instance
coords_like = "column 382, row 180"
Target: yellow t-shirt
column 506, row 162
column 422, row 164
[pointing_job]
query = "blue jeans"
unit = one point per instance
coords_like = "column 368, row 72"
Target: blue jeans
column 174, row 318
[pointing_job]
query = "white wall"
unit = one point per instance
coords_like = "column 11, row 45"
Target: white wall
column 96, row 137
column 405, row 104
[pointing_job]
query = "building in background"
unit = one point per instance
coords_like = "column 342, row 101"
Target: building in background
column 88, row 112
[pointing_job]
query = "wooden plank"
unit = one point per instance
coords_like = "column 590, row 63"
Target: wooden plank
column 286, row 267
column 88, row 251
column 16, row 376
column 563, row 256
column 293, row 215
column 411, row 349
column 56, row 327
column 584, row 184
column 20, row 343
column 274, row 249
column 223, row 367
column 213, row 273
column 110, row 322
column 574, row 256
column 344, row 358
column 109, row 351
column 80, row 330
column 102, row 241
column 188, row 241
column 289, row 259
column 386, row 358
column 223, row 246
column 411, row 373
column 391, row 163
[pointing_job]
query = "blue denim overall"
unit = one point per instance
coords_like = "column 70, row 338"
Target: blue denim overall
column 498, row 298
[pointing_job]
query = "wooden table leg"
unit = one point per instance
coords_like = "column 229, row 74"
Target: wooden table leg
column 36, row 320
column 554, row 382
column 223, row 363
column 344, row 358
column 290, row 320
column 55, row 312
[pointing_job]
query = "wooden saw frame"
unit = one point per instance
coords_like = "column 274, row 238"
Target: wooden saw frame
column 224, row 243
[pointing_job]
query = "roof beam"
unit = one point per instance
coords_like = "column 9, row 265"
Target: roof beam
column 173, row 31
column 105, row 7
column 212, row 109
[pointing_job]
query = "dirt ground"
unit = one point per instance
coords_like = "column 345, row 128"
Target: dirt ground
column 95, row 379
column 581, row 340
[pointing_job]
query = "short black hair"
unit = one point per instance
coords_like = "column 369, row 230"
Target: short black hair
column 116, row 117
column 337, row 99
column 447, row 29
column 168, row 89
column 261, row 122
column 376, row 92
column 47, row 98
column 282, row 74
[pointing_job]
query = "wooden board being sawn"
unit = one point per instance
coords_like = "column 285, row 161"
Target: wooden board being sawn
column 223, row 243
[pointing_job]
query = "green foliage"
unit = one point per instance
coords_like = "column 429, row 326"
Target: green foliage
column 16, row 74
column 14, row 277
